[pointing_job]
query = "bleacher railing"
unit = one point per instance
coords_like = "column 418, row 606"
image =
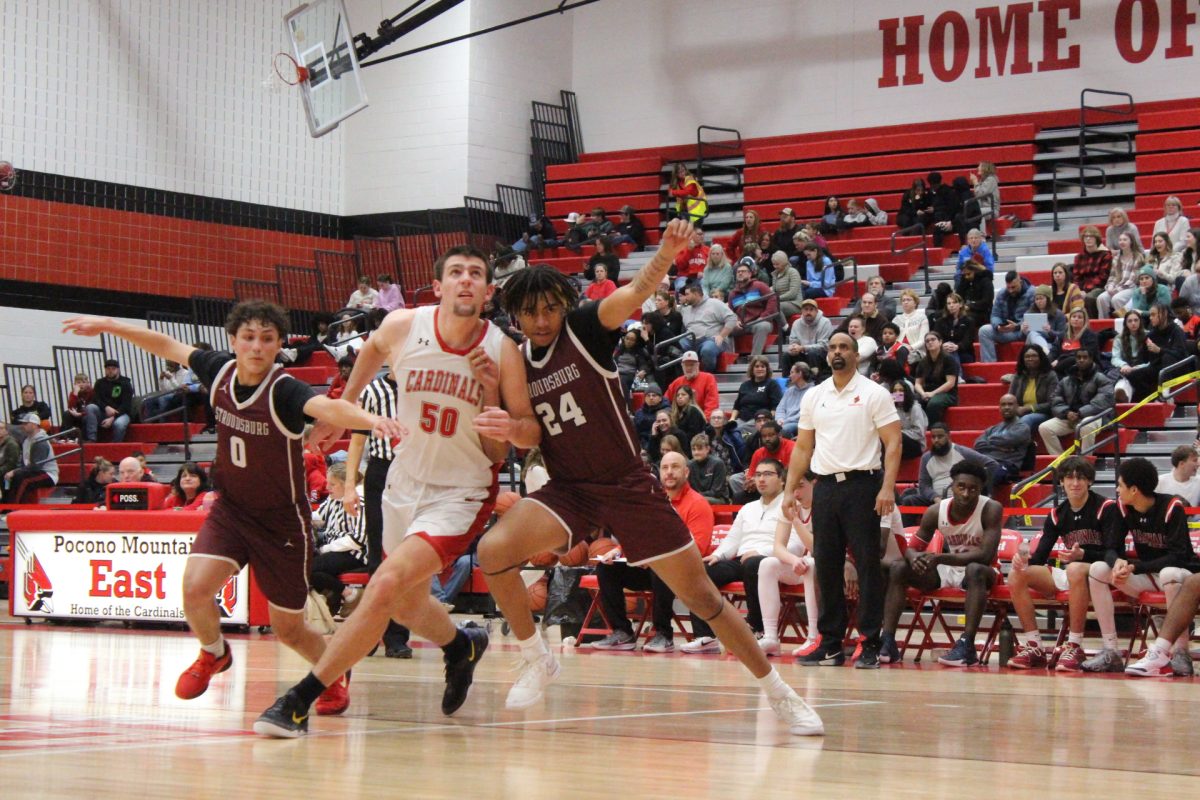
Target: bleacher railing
column 1093, row 133
column 707, row 152
column 1177, row 370
column 912, row 230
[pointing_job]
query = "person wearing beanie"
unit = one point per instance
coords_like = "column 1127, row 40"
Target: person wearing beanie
column 1149, row 291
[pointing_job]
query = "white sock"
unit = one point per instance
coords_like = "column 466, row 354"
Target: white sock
column 1162, row 646
column 217, row 648
column 534, row 647
column 1033, row 638
column 1110, row 641
column 1075, row 638
column 773, row 684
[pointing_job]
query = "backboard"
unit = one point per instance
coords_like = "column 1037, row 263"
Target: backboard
column 322, row 43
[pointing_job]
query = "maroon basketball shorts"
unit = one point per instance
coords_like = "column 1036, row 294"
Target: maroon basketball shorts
column 635, row 510
column 276, row 543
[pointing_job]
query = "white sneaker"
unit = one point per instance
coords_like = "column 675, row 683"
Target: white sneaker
column 701, row 644
column 659, row 644
column 799, row 717
column 531, row 685
column 1154, row 664
column 770, row 646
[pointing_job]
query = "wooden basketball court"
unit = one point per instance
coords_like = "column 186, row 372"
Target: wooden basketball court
column 90, row 712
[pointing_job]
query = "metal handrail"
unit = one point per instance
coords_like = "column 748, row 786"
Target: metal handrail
column 1035, row 478
column 63, row 435
column 1084, row 130
column 913, row 230
column 1080, row 181
column 1103, row 418
column 1174, row 371
column 723, row 145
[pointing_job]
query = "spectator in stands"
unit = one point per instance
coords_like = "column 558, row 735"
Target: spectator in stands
column 92, row 490
column 1077, row 336
column 1092, row 267
column 390, row 296
column 726, row 442
column 630, row 230
column 188, row 488
column 1118, row 223
column 783, row 237
column 632, row 358
column 493, row 312
column 345, row 366
column 773, row 445
column 872, row 318
column 977, row 292
column 659, row 327
column 172, row 385
column 539, row 235
column 577, row 231
column 643, row 420
column 38, row 468
column 1065, row 294
column 1166, row 344
column 831, row 217
column 787, row 285
column 1081, row 393
column 1188, row 261
column 603, row 257
column 1173, row 222
column 875, row 214
column 341, row 542
column 957, row 329
column 808, row 339
column 595, row 228
column 1008, row 312
column 659, row 433
column 937, row 465
column 787, row 413
column 30, row 403
column 969, row 214
column 691, row 202
column 790, row 563
column 1007, row 442
column 345, row 335
column 751, row 230
column 601, row 287
column 10, row 451
column 737, row 558
column 867, row 345
column 1182, row 480
column 77, row 402
column 890, row 347
column 1163, row 557
column 877, row 289
column 1127, row 262
column 112, row 403
column 754, row 252
column 1185, row 318
column 1149, row 291
column 916, row 207
column 707, row 473
column 1056, row 322
column 703, row 384
column 130, row 470
column 756, row 308
column 686, row 416
column 690, row 263
column 913, row 422
column 1168, row 264
column 977, row 250
column 945, row 207
column 615, row 577
column 912, row 324
column 758, row 392
column 364, row 297
column 936, row 378
column 717, row 278
column 1033, row 385
column 820, row 279
column 855, row 216
column 985, row 186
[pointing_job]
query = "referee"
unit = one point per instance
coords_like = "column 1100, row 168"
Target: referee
column 379, row 397
column 842, row 423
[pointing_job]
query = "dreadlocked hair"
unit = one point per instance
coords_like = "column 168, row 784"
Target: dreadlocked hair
column 523, row 290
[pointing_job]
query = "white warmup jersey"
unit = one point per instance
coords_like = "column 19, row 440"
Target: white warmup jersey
column 968, row 535
column 437, row 398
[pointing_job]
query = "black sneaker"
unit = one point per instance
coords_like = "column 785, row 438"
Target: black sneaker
column 287, row 719
column 889, row 651
column 823, row 658
column 870, row 656
column 398, row 651
column 459, row 673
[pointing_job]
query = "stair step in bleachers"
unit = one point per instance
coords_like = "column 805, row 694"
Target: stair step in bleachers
column 1018, row 200
column 161, row 431
column 964, row 159
column 113, row 451
column 639, row 184
column 848, row 145
column 872, row 185
column 604, row 168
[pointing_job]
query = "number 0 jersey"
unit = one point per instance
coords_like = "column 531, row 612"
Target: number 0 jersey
column 587, row 434
column 437, row 399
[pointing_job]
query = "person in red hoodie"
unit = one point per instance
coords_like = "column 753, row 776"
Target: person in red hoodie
column 703, row 384
column 345, row 367
column 690, row 262
column 601, row 287
column 314, row 470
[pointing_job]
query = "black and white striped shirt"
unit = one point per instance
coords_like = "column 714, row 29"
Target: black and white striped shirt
column 379, row 398
column 338, row 524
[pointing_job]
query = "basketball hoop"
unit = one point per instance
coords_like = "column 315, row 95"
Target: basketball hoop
column 8, row 176
column 289, row 70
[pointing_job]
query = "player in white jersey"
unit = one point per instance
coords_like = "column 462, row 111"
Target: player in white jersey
column 453, row 372
column 970, row 528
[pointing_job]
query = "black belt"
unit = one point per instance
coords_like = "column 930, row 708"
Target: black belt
column 852, row 474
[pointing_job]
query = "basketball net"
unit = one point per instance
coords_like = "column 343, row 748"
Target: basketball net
column 284, row 72
column 8, row 176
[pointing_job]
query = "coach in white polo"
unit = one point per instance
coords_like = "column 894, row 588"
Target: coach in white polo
column 843, row 423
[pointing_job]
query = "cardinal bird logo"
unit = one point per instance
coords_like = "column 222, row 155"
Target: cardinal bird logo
column 38, row 588
column 227, row 598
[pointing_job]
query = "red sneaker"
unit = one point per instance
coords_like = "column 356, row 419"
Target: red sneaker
column 336, row 697
column 1030, row 656
column 194, row 680
column 808, row 647
column 1071, row 659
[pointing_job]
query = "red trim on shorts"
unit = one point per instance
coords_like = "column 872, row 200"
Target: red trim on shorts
column 449, row 548
column 441, row 342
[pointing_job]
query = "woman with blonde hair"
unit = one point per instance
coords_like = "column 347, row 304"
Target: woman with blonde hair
column 985, row 186
column 686, row 416
column 1118, row 223
column 717, row 278
column 1167, row 263
column 1127, row 262
column 913, row 323
column 1173, row 222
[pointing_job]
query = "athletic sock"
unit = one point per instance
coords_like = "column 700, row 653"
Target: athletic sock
column 216, row 649
column 1110, row 641
column 773, row 684
column 534, row 647
column 1033, row 638
column 1075, row 638
column 309, row 689
column 458, row 648
column 1163, row 646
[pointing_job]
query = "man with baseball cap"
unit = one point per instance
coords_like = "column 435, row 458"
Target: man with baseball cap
column 652, row 403
column 112, row 403
column 703, row 384
column 781, row 239
column 808, row 338
column 38, row 468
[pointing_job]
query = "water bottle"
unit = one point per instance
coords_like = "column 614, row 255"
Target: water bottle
column 1007, row 639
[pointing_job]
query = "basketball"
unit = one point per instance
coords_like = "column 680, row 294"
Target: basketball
column 544, row 560
column 537, row 594
column 601, row 546
column 577, row 556
column 505, row 501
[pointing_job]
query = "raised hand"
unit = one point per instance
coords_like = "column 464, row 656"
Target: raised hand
column 88, row 326
column 676, row 236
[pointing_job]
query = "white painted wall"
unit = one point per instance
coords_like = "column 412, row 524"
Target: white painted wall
column 30, row 337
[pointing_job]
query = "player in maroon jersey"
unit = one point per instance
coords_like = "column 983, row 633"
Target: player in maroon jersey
column 598, row 478
column 261, row 516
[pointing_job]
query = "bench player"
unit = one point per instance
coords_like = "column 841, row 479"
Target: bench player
column 261, row 516
column 452, row 370
column 598, row 478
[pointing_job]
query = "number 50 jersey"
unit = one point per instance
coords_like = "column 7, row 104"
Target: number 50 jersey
column 437, row 398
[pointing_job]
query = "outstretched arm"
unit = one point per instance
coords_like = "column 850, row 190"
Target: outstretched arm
column 504, row 384
column 342, row 414
column 154, row 342
column 618, row 306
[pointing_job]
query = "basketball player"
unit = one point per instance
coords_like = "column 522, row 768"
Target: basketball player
column 452, row 371
column 970, row 528
column 598, row 478
column 261, row 516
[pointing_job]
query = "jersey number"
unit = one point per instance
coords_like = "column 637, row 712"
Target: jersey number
column 237, row 451
column 568, row 411
column 439, row 419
